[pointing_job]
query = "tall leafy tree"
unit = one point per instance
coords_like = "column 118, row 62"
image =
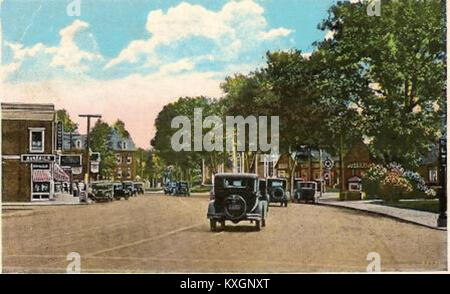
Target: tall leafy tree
column 63, row 116
column 400, row 55
column 99, row 142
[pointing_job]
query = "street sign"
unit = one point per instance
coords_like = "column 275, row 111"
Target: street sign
column 95, row 157
column 59, row 135
column 71, row 160
column 30, row 158
column 328, row 163
column 95, row 167
column 326, row 176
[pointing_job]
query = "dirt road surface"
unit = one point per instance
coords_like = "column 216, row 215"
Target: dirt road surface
column 157, row 233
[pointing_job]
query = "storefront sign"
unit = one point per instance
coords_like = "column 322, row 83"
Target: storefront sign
column 70, row 160
column 31, row 158
column 59, row 135
column 355, row 165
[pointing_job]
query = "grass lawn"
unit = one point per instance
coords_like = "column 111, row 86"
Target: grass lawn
column 422, row 205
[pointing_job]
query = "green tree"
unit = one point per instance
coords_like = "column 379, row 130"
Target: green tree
column 119, row 125
column 63, row 116
column 99, row 142
column 400, row 55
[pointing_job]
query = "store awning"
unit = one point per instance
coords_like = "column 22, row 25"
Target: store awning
column 59, row 174
column 42, row 175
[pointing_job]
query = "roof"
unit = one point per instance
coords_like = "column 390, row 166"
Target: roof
column 237, row 175
column 28, row 111
column 120, row 143
column 75, row 137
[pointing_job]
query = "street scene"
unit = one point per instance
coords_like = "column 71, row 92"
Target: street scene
column 228, row 136
column 140, row 236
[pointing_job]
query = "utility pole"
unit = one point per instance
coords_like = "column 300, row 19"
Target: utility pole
column 88, row 116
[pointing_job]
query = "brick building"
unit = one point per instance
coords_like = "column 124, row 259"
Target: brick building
column 29, row 160
column 125, row 152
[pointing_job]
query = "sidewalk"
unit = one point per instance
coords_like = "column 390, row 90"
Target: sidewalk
column 60, row 199
column 422, row 218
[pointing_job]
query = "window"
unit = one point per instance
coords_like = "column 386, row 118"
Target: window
column 433, row 175
column 129, row 159
column 78, row 144
column 37, row 140
column 119, row 173
column 124, row 145
column 118, row 158
column 129, row 174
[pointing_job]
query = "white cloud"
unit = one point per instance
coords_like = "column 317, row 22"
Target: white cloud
column 329, row 35
column 177, row 67
column 237, row 27
column 275, row 33
column 67, row 56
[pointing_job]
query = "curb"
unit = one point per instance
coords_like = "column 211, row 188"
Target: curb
column 383, row 214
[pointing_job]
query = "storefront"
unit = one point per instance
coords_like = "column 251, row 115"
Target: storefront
column 28, row 156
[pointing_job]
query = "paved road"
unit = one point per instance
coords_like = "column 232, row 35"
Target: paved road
column 157, row 233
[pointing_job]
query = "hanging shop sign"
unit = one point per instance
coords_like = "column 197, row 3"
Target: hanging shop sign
column 32, row 158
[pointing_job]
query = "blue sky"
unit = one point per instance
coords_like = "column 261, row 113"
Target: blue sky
column 151, row 51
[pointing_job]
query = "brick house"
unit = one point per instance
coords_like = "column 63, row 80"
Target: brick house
column 28, row 151
column 125, row 152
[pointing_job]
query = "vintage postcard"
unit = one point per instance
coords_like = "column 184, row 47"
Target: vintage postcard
column 223, row 136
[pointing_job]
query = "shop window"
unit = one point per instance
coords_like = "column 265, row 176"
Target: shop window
column 129, row 174
column 129, row 159
column 37, row 140
column 118, row 158
column 78, row 144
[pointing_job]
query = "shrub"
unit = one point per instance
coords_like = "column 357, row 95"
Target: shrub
column 371, row 181
column 395, row 187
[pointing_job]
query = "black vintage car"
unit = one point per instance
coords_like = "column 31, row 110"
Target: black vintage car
column 236, row 198
column 129, row 185
column 101, row 191
column 304, row 191
column 182, row 188
column 139, row 187
column 120, row 191
column 276, row 188
column 169, row 188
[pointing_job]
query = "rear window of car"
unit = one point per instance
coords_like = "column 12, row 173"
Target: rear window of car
column 235, row 183
column 276, row 184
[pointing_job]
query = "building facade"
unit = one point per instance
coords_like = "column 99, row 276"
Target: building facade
column 125, row 152
column 29, row 161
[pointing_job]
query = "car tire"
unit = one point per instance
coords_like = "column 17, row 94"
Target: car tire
column 222, row 225
column 213, row 225
column 258, row 225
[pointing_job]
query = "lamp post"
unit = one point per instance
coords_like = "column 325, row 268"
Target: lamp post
column 442, row 218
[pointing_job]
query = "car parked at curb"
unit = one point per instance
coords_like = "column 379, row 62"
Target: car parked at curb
column 169, row 188
column 139, row 187
column 305, row 191
column 182, row 188
column 120, row 191
column 237, row 197
column 276, row 188
column 101, row 191
column 129, row 185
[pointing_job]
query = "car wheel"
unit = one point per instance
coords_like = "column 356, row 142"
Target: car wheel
column 222, row 225
column 212, row 225
column 258, row 225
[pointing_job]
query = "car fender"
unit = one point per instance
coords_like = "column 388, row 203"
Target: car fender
column 211, row 208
